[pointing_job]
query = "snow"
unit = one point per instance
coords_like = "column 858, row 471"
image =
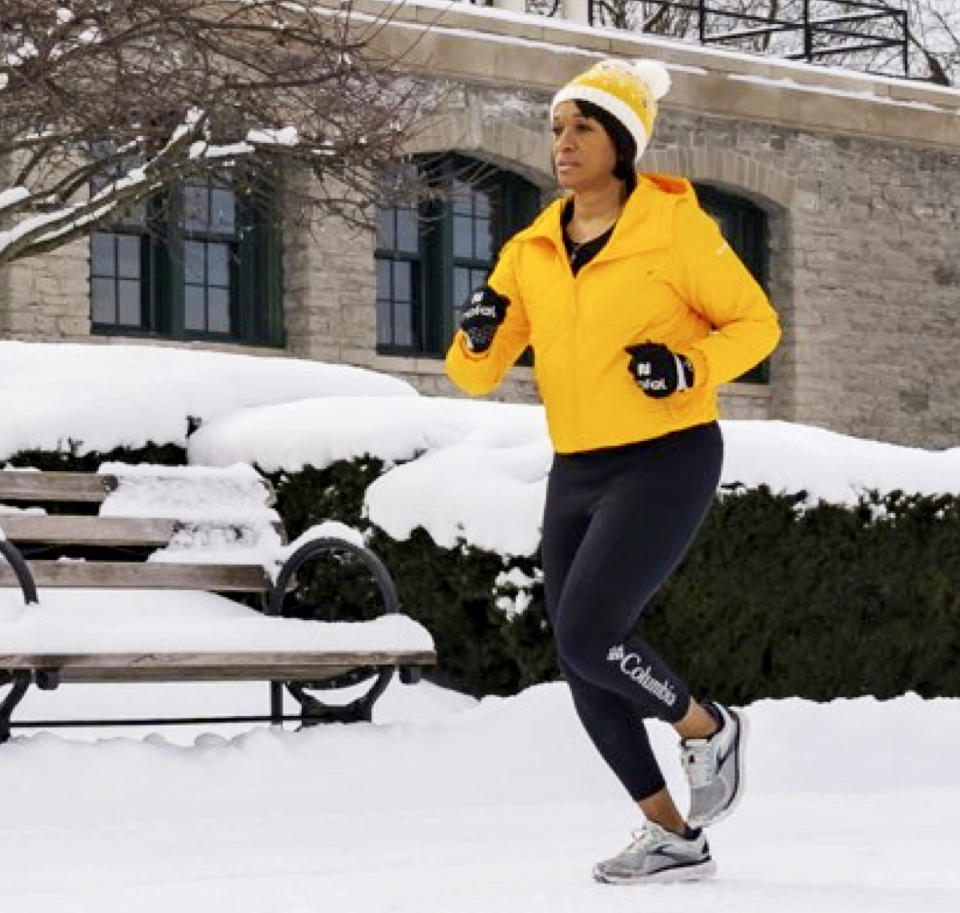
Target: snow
column 286, row 136
column 443, row 803
column 233, row 495
column 224, row 514
column 203, row 149
column 127, row 621
column 104, row 396
column 789, row 83
column 11, row 196
column 447, row 804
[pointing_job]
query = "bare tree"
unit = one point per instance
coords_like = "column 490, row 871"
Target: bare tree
column 130, row 96
column 932, row 32
column 934, row 37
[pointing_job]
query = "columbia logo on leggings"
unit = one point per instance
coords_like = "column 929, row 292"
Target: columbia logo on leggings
column 631, row 665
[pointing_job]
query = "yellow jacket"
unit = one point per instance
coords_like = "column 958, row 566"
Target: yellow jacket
column 666, row 275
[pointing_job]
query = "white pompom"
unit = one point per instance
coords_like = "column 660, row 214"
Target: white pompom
column 654, row 74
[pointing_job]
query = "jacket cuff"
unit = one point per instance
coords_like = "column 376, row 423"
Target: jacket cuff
column 700, row 369
column 466, row 351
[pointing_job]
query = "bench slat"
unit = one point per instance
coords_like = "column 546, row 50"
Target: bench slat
column 157, row 667
column 55, row 486
column 235, row 578
column 63, row 530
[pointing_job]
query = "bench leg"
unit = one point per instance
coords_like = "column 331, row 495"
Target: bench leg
column 411, row 675
column 20, row 680
column 314, row 711
column 276, row 704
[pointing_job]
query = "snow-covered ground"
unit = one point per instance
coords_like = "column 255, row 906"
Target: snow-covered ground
column 446, row 805
column 443, row 804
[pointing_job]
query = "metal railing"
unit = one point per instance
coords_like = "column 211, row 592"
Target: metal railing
column 810, row 30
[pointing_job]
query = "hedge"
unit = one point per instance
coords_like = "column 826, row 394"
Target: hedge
column 776, row 598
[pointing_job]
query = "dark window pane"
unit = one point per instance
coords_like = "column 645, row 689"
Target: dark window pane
column 218, row 316
column 462, row 198
column 384, row 290
column 196, row 208
column 483, row 239
column 193, row 308
column 462, row 236
column 103, row 301
column 384, row 324
column 481, row 204
column 461, row 289
column 403, row 325
column 194, row 270
column 386, row 236
column 102, row 246
column 408, row 239
column 223, row 211
column 128, row 256
column 129, row 303
column 401, row 281
column 218, row 264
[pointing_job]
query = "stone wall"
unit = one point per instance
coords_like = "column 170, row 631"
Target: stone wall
column 877, row 289
column 47, row 297
column 330, row 293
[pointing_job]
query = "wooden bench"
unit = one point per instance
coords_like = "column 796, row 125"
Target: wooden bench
column 41, row 552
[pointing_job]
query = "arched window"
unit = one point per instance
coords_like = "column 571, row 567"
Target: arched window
column 197, row 262
column 744, row 225
column 429, row 258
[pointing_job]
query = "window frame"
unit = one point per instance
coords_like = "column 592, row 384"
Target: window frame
column 255, row 269
column 391, row 256
column 437, row 307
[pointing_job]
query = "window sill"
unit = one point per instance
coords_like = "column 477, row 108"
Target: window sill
column 743, row 390
column 432, row 365
column 208, row 345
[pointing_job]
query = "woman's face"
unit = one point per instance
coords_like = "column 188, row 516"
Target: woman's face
column 583, row 153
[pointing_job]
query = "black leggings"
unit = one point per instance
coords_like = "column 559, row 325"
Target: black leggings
column 616, row 524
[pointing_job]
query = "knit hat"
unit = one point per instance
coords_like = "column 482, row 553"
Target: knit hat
column 628, row 90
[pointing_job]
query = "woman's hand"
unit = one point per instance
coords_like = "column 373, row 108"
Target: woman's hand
column 483, row 313
column 658, row 371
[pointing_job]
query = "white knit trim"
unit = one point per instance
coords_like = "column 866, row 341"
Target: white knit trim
column 618, row 108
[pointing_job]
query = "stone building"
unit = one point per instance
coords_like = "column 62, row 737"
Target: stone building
column 841, row 191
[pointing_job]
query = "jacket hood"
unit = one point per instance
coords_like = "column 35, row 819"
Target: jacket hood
column 653, row 195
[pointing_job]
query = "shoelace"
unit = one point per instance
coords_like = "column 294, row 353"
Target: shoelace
column 645, row 837
column 697, row 763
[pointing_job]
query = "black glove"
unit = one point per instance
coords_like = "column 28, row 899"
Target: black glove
column 484, row 311
column 658, row 371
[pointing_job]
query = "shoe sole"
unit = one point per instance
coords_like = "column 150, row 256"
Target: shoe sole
column 699, row 872
column 743, row 732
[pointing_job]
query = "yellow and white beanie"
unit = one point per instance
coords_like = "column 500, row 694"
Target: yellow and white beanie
column 627, row 89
